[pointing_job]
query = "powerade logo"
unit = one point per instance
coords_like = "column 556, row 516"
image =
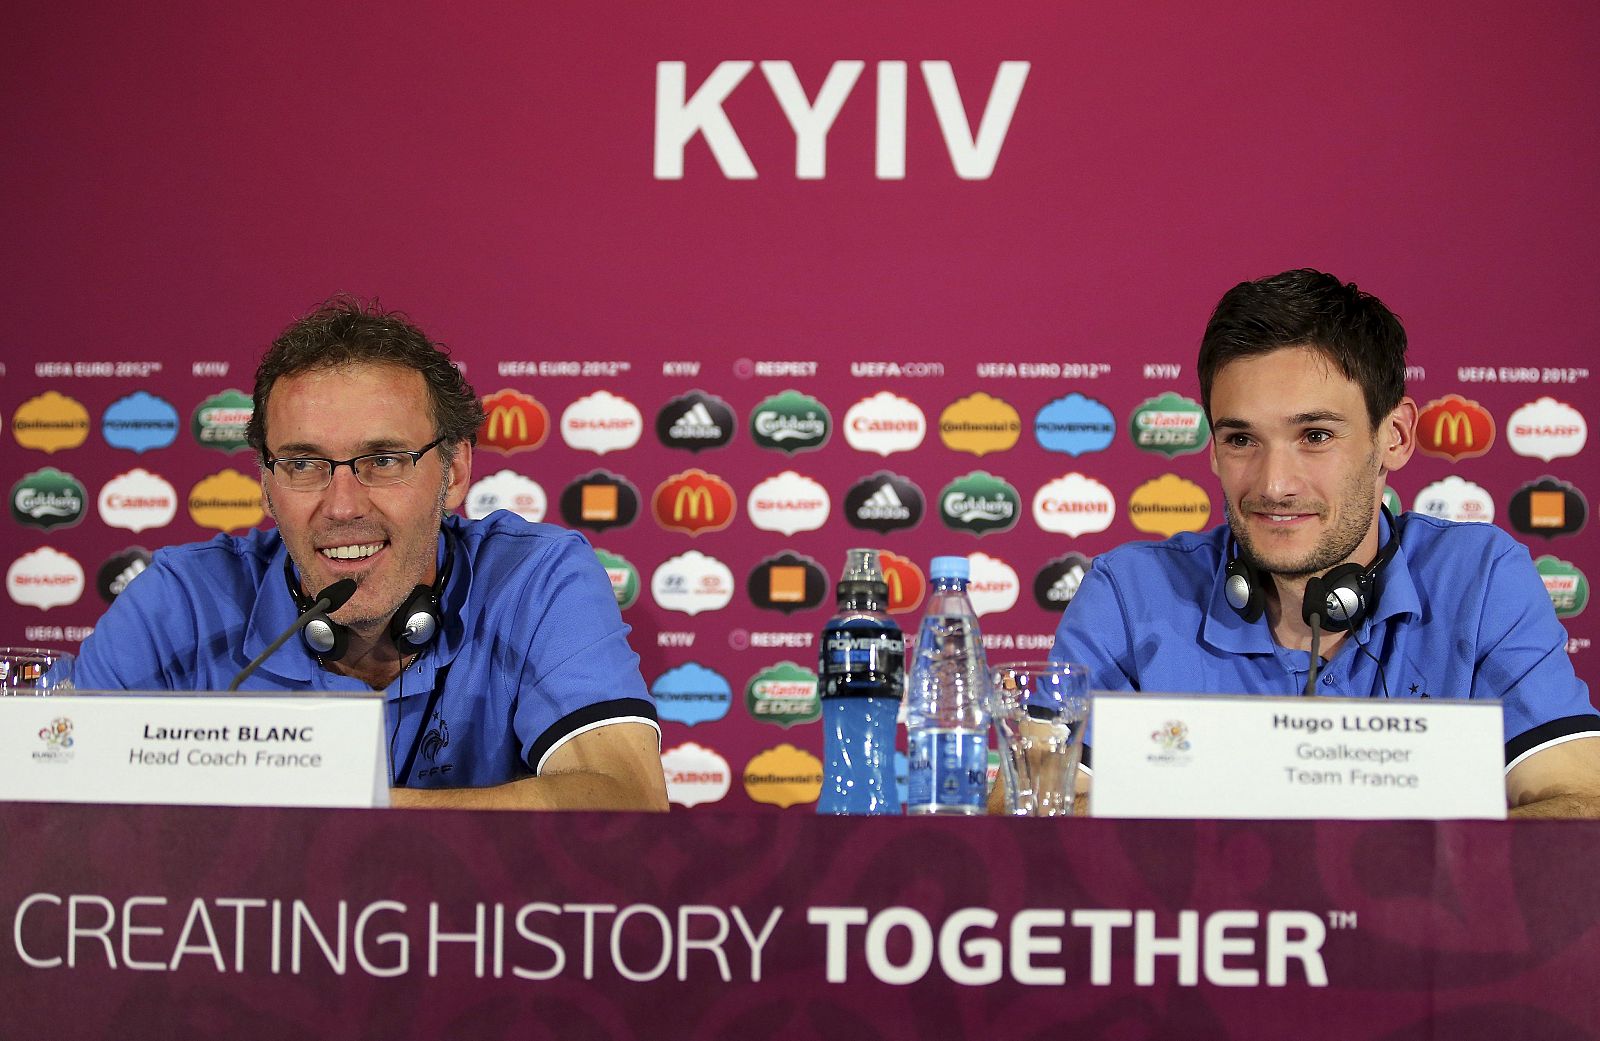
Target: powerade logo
column 979, row 503
column 219, row 421
column 695, row 421
column 790, row 422
column 1075, row 425
column 884, row 502
column 788, row 582
column 691, row 694
column 47, row 499
column 140, row 422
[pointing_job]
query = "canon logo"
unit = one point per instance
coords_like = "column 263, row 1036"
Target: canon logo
column 681, row 117
column 864, row 425
column 1059, row 506
column 137, row 502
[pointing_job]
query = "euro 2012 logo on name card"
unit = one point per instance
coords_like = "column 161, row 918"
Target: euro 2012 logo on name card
column 1173, row 736
column 58, row 741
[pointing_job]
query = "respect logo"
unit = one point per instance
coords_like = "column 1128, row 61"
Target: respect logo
column 884, row 423
column 1454, row 428
column 790, row 422
column 44, row 579
column 1455, row 499
column 785, row 694
column 1076, row 425
column 980, row 503
column 1171, row 424
column 980, row 424
column 695, row 421
column 513, row 422
column 48, row 498
column 50, row 422
column 220, row 421
column 691, row 694
column 601, row 422
column 788, row 503
column 507, row 490
column 137, row 501
column 140, row 422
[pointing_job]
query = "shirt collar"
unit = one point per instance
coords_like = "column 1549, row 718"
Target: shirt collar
column 1226, row 630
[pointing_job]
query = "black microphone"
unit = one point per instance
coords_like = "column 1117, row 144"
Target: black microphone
column 328, row 601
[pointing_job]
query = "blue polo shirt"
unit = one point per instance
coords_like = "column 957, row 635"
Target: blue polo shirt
column 1461, row 613
column 533, row 650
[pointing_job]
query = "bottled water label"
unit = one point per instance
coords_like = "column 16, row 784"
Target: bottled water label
column 948, row 771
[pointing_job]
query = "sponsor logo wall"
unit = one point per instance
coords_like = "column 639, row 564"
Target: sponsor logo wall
column 725, row 391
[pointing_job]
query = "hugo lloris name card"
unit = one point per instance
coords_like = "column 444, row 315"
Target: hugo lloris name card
column 196, row 749
column 1254, row 756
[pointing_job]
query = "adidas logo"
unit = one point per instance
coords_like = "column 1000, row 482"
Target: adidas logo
column 883, row 504
column 696, row 424
column 1066, row 587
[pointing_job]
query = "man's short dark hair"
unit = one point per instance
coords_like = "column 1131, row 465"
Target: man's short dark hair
column 1307, row 308
column 349, row 331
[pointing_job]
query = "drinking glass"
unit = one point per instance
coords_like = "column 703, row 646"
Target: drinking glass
column 1039, row 709
column 34, row 670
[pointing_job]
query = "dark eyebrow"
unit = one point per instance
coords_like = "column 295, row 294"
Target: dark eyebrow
column 303, row 448
column 1299, row 419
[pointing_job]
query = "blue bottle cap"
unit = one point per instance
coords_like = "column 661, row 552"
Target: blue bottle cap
column 949, row 567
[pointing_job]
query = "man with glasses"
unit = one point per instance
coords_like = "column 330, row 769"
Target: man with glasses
column 504, row 660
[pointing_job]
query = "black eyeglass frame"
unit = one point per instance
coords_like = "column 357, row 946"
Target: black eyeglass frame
column 334, row 464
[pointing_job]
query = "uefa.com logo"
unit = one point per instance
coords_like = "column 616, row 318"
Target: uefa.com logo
column 58, row 742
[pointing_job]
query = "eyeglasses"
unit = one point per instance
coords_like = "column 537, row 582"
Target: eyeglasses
column 310, row 473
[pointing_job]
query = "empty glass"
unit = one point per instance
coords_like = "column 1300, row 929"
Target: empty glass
column 1039, row 709
column 34, row 670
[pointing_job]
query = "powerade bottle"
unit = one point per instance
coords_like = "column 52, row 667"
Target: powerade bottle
column 947, row 721
column 860, row 677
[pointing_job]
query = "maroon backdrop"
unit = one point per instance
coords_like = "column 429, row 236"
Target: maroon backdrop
column 185, row 181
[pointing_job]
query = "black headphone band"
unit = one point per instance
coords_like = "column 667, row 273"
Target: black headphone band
column 413, row 625
column 1245, row 591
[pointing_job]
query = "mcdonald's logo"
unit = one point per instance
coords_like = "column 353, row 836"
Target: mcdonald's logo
column 513, row 422
column 907, row 585
column 1454, row 428
column 694, row 501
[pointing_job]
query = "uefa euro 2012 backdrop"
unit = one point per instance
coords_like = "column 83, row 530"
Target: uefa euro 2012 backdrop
column 744, row 286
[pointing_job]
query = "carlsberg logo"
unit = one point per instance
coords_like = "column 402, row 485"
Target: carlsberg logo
column 970, row 508
column 788, row 428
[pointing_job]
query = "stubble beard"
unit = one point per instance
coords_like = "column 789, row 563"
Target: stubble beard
column 1334, row 547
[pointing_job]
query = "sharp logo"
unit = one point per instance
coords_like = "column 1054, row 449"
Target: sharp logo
column 681, row 117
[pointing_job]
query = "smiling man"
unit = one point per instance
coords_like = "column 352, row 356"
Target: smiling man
column 504, row 661
column 1303, row 380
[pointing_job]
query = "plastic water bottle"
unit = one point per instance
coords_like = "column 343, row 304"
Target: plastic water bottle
column 947, row 721
column 861, row 676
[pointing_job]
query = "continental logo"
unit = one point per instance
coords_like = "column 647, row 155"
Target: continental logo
column 513, row 422
column 1169, row 504
column 980, row 424
column 694, row 502
column 1454, row 428
column 226, row 501
column 788, row 582
column 51, row 422
column 219, row 421
column 783, row 776
column 907, row 584
column 785, row 694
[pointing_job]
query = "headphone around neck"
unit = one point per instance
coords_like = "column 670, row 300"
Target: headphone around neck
column 1338, row 600
column 412, row 627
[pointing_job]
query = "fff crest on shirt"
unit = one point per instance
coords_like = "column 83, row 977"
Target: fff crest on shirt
column 695, row 422
column 599, row 500
column 1454, row 428
column 513, row 422
column 694, row 502
column 787, row 582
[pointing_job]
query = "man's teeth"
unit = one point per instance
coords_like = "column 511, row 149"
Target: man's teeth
column 352, row 552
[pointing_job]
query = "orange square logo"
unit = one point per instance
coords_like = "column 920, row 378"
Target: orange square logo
column 1547, row 509
column 599, row 502
column 787, row 585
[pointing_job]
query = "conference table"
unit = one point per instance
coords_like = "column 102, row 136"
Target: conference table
column 193, row 922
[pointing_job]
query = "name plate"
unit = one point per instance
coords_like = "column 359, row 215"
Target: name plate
column 194, row 749
column 1253, row 756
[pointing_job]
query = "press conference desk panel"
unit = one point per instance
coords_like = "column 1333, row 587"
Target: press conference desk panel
column 139, row 921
